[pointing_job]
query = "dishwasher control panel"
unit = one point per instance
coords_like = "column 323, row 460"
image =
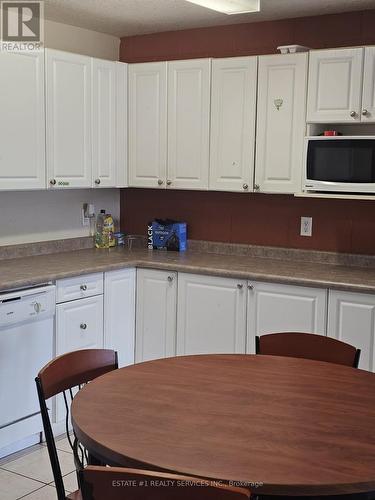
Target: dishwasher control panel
column 27, row 305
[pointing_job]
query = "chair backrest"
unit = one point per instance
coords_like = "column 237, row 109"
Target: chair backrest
column 67, row 374
column 309, row 346
column 116, row 483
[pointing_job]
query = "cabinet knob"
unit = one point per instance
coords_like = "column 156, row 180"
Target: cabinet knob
column 170, row 279
column 364, row 112
column 53, row 182
column 240, row 286
column 83, row 288
column 83, row 326
column 250, row 287
column 97, row 182
column 245, row 186
column 256, row 187
column 353, row 114
column 160, row 182
column 169, row 182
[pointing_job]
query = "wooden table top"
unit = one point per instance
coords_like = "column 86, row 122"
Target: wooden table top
column 295, row 426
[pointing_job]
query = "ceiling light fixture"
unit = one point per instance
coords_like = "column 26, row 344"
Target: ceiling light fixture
column 229, row 6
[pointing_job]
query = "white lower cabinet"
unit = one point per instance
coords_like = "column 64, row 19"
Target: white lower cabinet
column 351, row 319
column 119, row 314
column 79, row 324
column 156, row 314
column 211, row 315
column 274, row 308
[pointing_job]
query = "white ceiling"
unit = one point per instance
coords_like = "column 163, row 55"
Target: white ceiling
column 135, row 17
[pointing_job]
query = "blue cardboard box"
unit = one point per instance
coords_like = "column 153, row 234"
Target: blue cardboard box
column 167, row 235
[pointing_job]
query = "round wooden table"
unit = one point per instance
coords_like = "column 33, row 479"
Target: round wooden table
column 292, row 426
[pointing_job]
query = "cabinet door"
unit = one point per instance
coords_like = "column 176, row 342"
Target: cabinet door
column 211, row 316
column 156, row 314
column 147, row 124
column 368, row 99
column 188, row 123
column 104, row 123
column 351, row 318
column 119, row 314
column 233, row 112
column 69, row 158
column 79, row 325
column 274, row 308
column 281, row 127
column 335, row 86
column 22, row 129
column 121, row 124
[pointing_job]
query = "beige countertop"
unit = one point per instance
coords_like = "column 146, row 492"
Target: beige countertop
column 27, row 271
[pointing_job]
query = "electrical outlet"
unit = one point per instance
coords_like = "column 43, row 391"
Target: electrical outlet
column 85, row 219
column 306, row 226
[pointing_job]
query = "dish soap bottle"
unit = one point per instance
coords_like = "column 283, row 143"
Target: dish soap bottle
column 101, row 236
column 109, row 230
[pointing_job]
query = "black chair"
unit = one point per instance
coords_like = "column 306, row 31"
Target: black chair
column 308, row 346
column 67, row 374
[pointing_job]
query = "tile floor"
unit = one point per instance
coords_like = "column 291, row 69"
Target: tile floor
column 28, row 474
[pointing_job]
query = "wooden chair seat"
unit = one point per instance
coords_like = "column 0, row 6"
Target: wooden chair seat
column 117, row 483
column 76, row 495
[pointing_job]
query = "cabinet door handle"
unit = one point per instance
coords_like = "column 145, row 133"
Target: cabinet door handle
column 353, row 114
column 240, row 286
column 250, row 287
column 169, row 182
column 256, row 187
column 97, row 182
column 245, row 186
column 160, row 182
column 83, row 288
column 53, row 182
column 170, row 279
column 364, row 112
column 83, row 326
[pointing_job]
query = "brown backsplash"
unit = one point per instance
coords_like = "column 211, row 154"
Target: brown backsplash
column 334, row 30
column 272, row 220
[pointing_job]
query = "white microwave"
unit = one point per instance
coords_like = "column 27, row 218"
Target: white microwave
column 340, row 164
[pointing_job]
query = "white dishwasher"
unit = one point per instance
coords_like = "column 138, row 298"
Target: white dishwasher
column 26, row 345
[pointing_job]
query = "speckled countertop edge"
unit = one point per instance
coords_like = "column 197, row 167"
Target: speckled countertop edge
column 27, row 271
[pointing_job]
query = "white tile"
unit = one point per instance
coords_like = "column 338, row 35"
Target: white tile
column 63, row 445
column 44, row 493
column 37, row 465
column 13, row 486
column 70, row 482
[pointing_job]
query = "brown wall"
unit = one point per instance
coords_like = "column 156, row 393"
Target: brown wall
column 338, row 225
column 353, row 28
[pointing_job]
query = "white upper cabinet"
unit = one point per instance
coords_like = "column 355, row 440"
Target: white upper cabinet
column 282, row 89
column 233, row 113
column 121, row 124
column 275, row 308
column 368, row 98
column 351, row 319
column 211, row 315
column 335, row 85
column 69, row 158
column 188, row 123
column 22, row 128
column 104, row 82
column 147, row 103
